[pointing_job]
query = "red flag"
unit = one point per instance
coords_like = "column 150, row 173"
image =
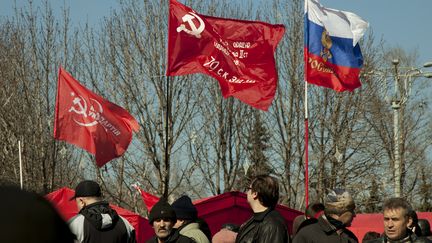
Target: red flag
column 238, row 53
column 91, row 122
column 149, row 199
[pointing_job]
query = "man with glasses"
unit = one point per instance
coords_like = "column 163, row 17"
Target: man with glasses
column 266, row 225
column 331, row 226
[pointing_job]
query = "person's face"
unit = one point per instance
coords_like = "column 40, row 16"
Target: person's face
column 250, row 195
column 395, row 223
column 163, row 227
column 80, row 202
column 347, row 217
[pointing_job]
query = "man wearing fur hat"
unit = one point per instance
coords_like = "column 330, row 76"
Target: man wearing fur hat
column 186, row 220
column 331, row 226
column 162, row 218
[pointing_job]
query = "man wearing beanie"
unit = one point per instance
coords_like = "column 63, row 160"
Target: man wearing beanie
column 162, row 218
column 97, row 221
column 331, row 226
column 186, row 220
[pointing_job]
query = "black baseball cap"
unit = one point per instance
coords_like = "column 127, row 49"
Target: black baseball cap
column 87, row 188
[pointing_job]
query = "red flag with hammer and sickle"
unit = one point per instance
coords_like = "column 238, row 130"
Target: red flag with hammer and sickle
column 238, row 53
column 91, row 122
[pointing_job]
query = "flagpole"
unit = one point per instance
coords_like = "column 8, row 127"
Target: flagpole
column 306, row 120
column 306, row 148
column 167, row 112
column 20, row 164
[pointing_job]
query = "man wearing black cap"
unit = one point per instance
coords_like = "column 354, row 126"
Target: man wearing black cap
column 97, row 221
column 162, row 218
column 186, row 220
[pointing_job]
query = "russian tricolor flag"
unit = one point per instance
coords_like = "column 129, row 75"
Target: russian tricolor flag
column 332, row 54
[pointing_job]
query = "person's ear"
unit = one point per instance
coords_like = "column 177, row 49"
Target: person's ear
column 410, row 222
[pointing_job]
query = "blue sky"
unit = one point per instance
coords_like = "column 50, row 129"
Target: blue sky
column 400, row 22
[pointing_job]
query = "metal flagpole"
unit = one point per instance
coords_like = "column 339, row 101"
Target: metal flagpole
column 306, row 147
column 306, row 119
column 167, row 113
column 20, row 164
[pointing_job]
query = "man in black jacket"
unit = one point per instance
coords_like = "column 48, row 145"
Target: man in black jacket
column 97, row 221
column 162, row 218
column 266, row 225
column 331, row 226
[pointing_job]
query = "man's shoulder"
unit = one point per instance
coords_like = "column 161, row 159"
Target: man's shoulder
column 377, row 240
column 184, row 239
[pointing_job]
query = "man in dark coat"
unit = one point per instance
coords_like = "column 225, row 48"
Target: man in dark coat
column 397, row 223
column 331, row 226
column 97, row 221
column 266, row 225
column 162, row 218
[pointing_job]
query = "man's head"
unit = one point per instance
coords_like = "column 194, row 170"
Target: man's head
column 185, row 211
column 314, row 209
column 264, row 190
column 396, row 218
column 162, row 218
column 340, row 205
column 87, row 192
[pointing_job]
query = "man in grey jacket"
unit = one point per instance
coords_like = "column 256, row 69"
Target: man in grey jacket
column 97, row 221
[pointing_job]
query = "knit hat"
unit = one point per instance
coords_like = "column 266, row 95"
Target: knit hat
column 184, row 208
column 162, row 210
column 339, row 201
column 87, row 189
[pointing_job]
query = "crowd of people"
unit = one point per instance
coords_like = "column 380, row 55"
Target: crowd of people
column 30, row 218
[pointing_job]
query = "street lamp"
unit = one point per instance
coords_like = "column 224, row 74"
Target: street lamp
column 401, row 94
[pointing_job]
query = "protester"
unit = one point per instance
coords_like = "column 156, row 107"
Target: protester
column 162, row 218
column 312, row 212
column 28, row 217
column 227, row 234
column 266, row 225
column 425, row 228
column 331, row 226
column 96, row 220
column 414, row 225
column 186, row 220
column 370, row 235
column 397, row 221
column 204, row 227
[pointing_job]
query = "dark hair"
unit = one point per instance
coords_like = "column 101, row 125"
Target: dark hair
column 34, row 219
column 314, row 208
column 204, row 227
column 267, row 188
column 398, row 202
column 424, row 227
column 413, row 215
column 232, row 227
column 370, row 235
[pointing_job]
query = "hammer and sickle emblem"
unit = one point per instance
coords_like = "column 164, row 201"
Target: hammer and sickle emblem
column 82, row 106
column 194, row 30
